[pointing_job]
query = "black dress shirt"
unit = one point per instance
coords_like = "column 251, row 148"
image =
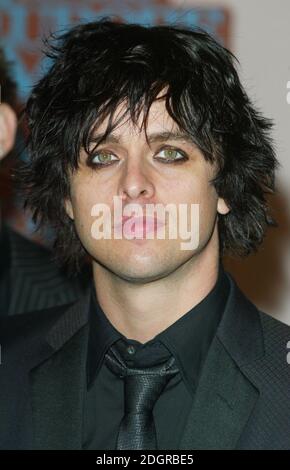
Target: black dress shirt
column 188, row 339
column 4, row 270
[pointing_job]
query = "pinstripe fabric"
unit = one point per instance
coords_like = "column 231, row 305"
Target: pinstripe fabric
column 36, row 281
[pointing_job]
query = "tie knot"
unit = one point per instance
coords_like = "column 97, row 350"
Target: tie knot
column 142, row 388
column 117, row 364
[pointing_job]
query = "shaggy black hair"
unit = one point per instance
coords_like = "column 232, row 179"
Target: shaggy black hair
column 98, row 65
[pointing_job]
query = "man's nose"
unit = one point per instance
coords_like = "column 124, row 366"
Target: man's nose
column 136, row 183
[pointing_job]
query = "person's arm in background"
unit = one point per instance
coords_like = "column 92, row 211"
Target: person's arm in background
column 8, row 124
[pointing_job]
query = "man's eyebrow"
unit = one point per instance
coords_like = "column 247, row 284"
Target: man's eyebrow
column 154, row 137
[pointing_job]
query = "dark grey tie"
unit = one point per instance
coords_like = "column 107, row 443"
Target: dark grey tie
column 142, row 388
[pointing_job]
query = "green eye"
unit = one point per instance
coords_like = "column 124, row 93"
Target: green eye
column 102, row 158
column 172, row 155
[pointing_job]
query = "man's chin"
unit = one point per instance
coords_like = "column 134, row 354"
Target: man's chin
column 138, row 277
column 138, row 274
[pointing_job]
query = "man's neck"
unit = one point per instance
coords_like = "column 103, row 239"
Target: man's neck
column 141, row 311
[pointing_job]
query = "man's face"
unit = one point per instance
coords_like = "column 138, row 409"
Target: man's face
column 136, row 172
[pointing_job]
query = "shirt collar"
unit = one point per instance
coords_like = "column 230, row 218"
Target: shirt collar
column 188, row 338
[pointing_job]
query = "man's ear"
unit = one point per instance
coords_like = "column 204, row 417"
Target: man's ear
column 69, row 208
column 222, row 207
column 8, row 124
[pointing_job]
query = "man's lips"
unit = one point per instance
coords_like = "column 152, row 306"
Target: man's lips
column 139, row 226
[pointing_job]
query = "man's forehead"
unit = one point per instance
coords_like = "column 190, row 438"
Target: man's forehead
column 158, row 121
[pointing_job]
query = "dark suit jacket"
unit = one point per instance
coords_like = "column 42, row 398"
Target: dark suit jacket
column 36, row 281
column 242, row 399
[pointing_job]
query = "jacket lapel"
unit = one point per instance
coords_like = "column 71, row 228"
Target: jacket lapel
column 223, row 404
column 225, row 396
column 57, row 384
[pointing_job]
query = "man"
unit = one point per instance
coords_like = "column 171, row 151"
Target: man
column 164, row 351
column 29, row 279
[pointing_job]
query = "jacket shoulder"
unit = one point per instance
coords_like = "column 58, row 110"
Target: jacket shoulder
column 273, row 329
column 39, row 282
column 19, row 329
column 275, row 364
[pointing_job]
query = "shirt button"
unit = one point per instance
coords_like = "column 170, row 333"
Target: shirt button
column 131, row 349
